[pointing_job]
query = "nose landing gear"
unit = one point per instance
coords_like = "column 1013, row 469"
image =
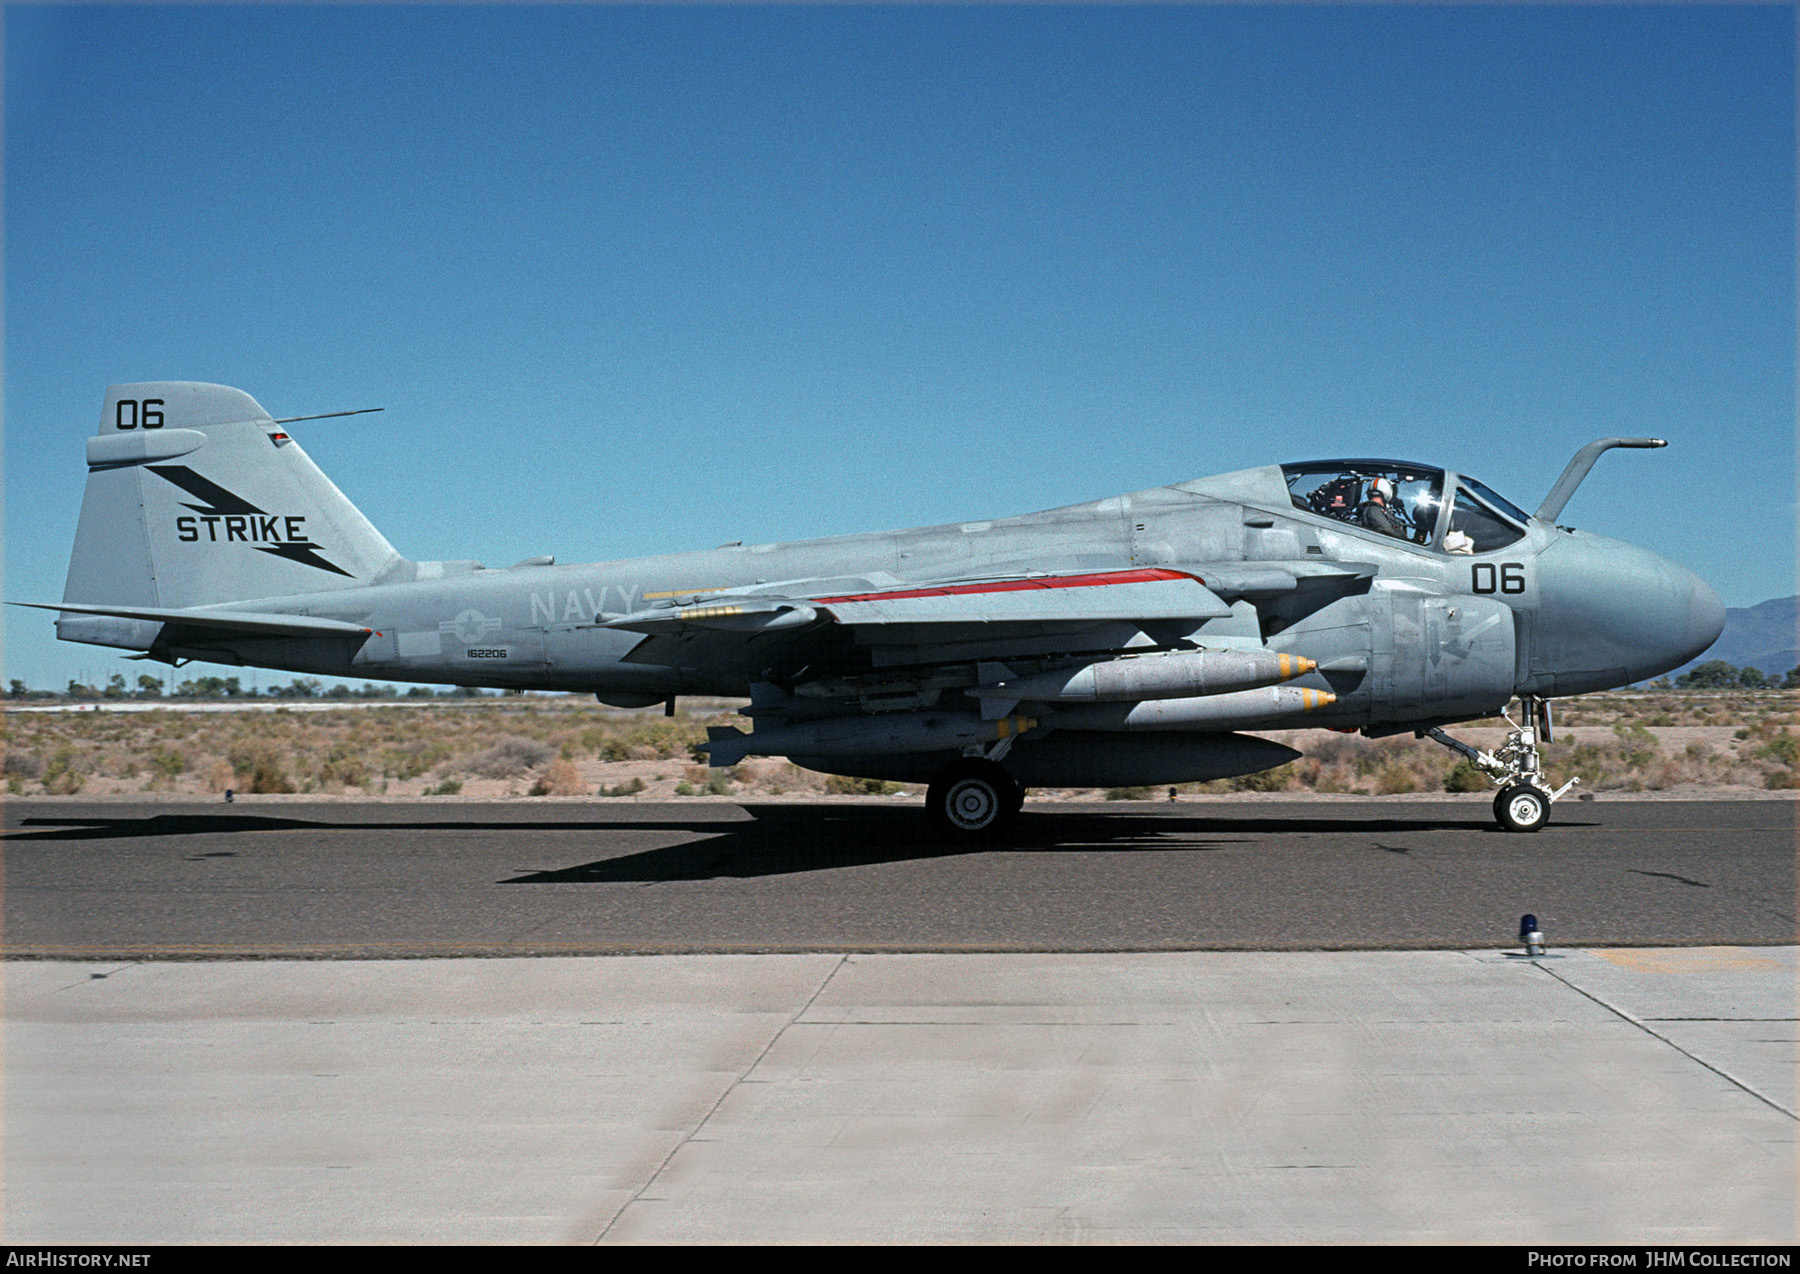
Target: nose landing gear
column 1522, row 808
column 1523, row 804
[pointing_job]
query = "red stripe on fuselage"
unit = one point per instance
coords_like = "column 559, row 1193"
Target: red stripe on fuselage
column 1147, row 575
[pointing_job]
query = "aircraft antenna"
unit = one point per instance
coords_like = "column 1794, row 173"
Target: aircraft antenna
column 326, row 415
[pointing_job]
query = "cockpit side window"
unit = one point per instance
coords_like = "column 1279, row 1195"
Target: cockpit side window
column 1384, row 496
column 1475, row 528
column 1495, row 501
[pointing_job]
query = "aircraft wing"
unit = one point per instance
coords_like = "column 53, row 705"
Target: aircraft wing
column 1153, row 594
column 934, row 622
column 1265, row 579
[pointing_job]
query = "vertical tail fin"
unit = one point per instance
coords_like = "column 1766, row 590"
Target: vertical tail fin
column 196, row 496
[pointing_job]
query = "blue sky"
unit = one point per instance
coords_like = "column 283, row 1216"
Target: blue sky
column 632, row 280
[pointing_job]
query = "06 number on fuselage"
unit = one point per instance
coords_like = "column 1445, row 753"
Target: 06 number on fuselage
column 1507, row 577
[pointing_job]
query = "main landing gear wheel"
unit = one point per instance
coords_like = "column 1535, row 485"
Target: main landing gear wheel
column 974, row 798
column 1522, row 808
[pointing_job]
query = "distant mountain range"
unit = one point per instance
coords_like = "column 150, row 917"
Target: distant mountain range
column 1762, row 636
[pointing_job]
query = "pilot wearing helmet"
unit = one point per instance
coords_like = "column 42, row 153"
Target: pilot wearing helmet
column 1375, row 512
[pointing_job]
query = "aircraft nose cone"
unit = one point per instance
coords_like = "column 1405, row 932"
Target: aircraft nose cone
column 1706, row 618
column 1614, row 613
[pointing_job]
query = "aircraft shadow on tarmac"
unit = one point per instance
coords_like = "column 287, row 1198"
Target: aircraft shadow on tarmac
column 792, row 838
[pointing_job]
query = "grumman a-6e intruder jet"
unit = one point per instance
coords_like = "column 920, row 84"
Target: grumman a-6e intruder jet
column 1129, row 641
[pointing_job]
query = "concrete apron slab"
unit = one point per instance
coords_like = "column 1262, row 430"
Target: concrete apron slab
column 1626, row 1096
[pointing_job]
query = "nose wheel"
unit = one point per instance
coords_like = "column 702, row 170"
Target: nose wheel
column 1522, row 808
column 1523, row 804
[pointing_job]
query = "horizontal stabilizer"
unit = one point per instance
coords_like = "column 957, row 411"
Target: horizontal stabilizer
column 230, row 620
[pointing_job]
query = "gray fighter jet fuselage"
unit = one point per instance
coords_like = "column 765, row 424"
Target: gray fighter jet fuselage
column 1131, row 640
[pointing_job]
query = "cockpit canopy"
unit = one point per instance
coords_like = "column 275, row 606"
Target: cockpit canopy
column 1406, row 502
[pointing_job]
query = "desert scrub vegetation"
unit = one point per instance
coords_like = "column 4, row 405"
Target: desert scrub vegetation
column 698, row 780
column 844, row 785
column 276, row 749
column 524, row 746
column 561, row 778
column 1680, row 708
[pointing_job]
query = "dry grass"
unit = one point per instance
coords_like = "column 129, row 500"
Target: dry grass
column 520, row 747
column 499, row 747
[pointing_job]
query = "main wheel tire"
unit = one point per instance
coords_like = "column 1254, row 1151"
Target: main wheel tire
column 973, row 798
column 1522, row 808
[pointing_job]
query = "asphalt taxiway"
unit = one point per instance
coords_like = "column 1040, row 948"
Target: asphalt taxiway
column 315, row 878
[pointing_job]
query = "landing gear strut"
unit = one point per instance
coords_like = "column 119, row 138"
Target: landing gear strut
column 1523, row 804
column 974, row 798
